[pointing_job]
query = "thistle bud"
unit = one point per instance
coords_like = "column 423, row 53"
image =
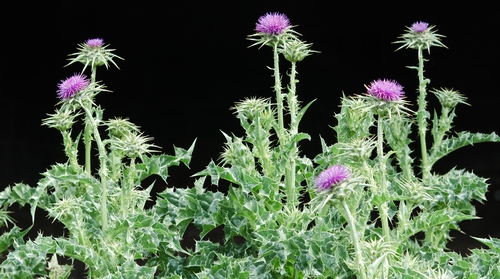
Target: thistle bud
column 449, row 98
column 295, row 50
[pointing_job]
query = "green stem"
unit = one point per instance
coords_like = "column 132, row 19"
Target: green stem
column 443, row 125
column 292, row 199
column 114, row 163
column 87, row 139
column 69, row 148
column 422, row 114
column 93, row 73
column 103, row 170
column 262, row 149
column 355, row 240
column 277, row 89
column 82, row 238
column 383, row 183
column 127, row 188
column 292, row 99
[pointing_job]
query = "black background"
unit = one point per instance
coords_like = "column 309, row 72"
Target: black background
column 187, row 63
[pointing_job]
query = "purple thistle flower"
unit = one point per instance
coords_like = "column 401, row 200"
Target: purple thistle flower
column 331, row 177
column 272, row 23
column 72, row 85
column 97, row 42
column 419, row 26
column 387, row 90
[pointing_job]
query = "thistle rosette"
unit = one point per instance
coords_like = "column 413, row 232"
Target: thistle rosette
column 420, row 35
column 272, row 28
column 94, row 53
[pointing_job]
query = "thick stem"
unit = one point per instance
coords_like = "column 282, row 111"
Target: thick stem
column 87, row 140
column 127, row 188
column 69, row 148
column 87, row 137
column 103, row 170
column 382, row 175
column 277, row 89
column 264, row 158
column 292, row 100
column 292, row 199
column 355, row 240
column 422, row 114
column 93, row 74
column 443, row 126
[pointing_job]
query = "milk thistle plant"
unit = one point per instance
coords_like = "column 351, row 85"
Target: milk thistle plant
column 367, row 206
column 109, row 228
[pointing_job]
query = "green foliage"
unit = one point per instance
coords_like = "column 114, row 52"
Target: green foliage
column 462, row 139
column 108, row 227
column 391, row 218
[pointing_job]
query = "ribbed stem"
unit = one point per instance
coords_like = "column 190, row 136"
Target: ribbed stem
column 355, row 240
column 277, row 89
column 264, row 158
column 382, row 181
column 127, row 188
column 87, row 140
column 103, row 170
column 422, row 114
column 292, row 199
column 69, row 148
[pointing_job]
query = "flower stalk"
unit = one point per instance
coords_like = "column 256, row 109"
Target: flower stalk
column 292, row 199
column 277, row 90
column 384, row 217
column 422, row 114
column 87, row 140
column 103, row 170
column 387, row 94
column 355, row 240
column 127, row 188
column 69, row 148
column 421, row 36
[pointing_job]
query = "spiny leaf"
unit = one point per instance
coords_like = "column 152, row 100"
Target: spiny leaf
column 428, row 220
column 492, row 243
column 185, row 205
column 159, row 164
column 460, row 140
column 15, row 234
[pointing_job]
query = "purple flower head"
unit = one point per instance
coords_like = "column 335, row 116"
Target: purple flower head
column 387, row 90
column 97, row 42
column 70, row 86
column 272, row 23
column 419, row 26
column 331, row 177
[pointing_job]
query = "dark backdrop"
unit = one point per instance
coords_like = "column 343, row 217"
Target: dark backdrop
column 187, row 63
